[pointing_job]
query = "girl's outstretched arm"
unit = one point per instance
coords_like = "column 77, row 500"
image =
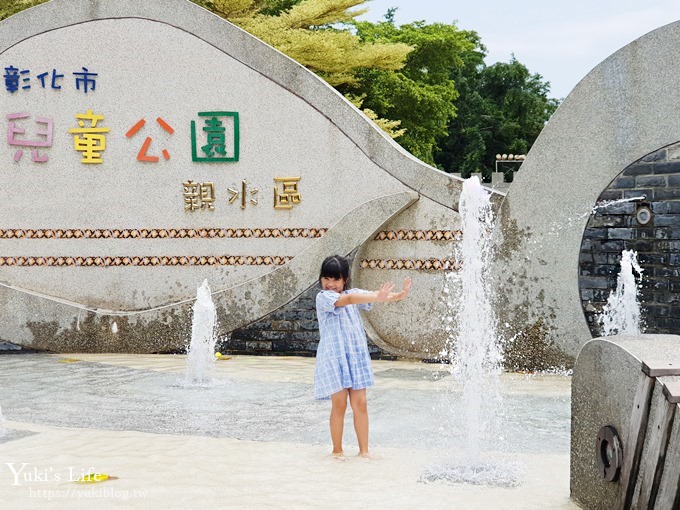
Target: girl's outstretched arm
column 383, row 295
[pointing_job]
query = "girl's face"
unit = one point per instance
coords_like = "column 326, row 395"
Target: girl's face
column 334, row 284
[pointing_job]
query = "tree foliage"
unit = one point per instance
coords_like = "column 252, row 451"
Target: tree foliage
column 9, row 7
column 315, row 33
column 457, row 112
column 502, row 109
column 422, row 93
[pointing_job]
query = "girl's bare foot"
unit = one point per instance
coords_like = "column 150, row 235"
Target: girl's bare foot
column 339, row 456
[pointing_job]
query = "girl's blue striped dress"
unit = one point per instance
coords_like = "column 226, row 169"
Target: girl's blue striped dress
column 342, row 358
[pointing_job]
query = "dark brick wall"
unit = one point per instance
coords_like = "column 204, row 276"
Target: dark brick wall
column 615, row 228
column 290, row 330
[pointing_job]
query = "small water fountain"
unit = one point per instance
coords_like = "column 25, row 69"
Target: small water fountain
column 201, row 349
column 473, row 350
column 621, row 315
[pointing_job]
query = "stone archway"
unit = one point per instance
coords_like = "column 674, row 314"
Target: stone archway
column 650, row 226
column 627, row 106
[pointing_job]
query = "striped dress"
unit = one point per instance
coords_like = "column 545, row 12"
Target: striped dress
column 342, row 359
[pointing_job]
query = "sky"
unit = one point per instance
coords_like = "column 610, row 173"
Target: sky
column 560, row 40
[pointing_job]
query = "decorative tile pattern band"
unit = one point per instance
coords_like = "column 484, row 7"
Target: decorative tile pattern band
column 147, row 261
column 159, row 233
column 413, row 264
column 419, row 235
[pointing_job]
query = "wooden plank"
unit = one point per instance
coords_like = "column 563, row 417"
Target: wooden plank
column 671, row 390
column 668, row 495
column 634, row 439
column 658, row 368
column 654, row 450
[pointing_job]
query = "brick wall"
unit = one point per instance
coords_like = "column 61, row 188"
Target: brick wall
column 616, row 227
column 290, row 330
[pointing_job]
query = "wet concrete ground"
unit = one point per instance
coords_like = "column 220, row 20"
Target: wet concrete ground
column 257, row 406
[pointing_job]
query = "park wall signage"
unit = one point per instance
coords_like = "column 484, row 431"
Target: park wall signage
column 149, row 146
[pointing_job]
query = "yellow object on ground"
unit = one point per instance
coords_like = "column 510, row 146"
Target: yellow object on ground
column 95, row 478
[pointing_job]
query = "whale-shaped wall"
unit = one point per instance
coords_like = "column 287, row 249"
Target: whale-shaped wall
column 153, row 145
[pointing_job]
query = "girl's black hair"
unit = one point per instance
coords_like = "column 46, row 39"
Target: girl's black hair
column 335, row 267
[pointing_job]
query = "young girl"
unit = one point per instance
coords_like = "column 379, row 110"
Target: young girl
column 343, row 365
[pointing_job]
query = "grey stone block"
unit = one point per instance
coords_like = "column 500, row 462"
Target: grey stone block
column 258, row 345
column 595, row 233
column 594, row 283
column 660, row 155
column 669, row 207
column 651, row 181
column 625, row 182
column 639, row 169
column 652, row 258
column 666, row 220
column 644, row 233
column 606, row 221
column 667, row 167
column 667, row 194
column 621, row 233
column 662, row 233
column 611, row 194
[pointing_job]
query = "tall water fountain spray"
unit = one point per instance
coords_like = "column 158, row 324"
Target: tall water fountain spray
column 477, row 358
column 621, row 315
column 473, row 347
column 201, row 350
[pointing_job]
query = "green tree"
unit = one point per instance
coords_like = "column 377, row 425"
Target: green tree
column 422, row 93
column 502, row 109
column 9, row 7
column 308, row 33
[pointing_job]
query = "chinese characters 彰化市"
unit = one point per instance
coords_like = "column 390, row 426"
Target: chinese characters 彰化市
column 17, row 79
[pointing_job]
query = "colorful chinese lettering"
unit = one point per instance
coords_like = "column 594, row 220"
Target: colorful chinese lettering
column 288, row 195
column 219, row 139
column 90, row 140
column 142, row 154
column 199, row 196
column 44, row 136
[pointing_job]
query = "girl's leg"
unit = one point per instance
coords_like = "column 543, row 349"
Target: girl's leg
column 337, row 421
column 357, row 399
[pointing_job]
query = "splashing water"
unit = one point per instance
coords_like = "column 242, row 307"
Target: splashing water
column 621, row 315
column 606, row 203
column 201, row 350
column 474, row 351
column 570, row 219
column 477, row 357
